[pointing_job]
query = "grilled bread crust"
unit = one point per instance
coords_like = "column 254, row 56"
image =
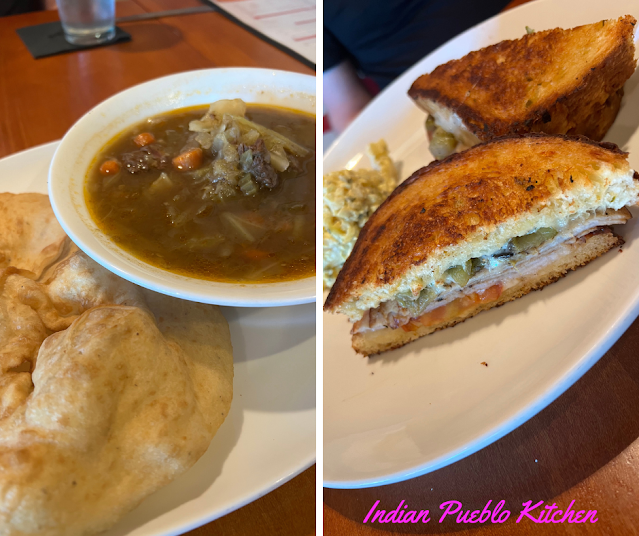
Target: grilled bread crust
column 507, row 185
column 555, row 81
column 584, row 251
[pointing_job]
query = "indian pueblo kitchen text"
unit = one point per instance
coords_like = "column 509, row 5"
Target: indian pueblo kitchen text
column 453, row 510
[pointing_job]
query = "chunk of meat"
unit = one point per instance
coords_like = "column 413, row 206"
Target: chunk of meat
column 294, row 164
column 152, row 156
column 261, row 168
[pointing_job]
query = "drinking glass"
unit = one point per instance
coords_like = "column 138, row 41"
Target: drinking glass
column 87, row 22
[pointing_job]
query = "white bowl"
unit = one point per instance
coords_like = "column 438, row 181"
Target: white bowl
column 84, row 140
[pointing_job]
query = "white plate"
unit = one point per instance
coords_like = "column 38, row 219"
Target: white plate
column 269, row 435
column 419, row 408
column 84, row 140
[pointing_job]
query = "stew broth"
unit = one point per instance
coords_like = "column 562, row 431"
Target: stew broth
column 179, row 201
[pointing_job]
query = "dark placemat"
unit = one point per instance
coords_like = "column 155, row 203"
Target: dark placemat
column 48, row 39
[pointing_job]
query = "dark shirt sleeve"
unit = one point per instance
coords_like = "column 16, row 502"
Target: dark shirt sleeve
column 383, row 38
column 334, row 52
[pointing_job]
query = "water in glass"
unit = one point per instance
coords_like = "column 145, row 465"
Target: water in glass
column 87, row 22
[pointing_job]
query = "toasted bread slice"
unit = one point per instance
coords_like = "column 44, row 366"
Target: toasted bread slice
column 555, row 81
column 512, row 214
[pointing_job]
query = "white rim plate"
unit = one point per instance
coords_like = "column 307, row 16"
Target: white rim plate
column 86, row 138
column 413, row 410
column 269, row 435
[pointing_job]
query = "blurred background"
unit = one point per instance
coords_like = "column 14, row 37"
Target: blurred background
column 367, row 44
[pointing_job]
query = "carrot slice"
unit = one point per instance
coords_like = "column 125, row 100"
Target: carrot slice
column 145, row 138
column 110, row 167
column 188, row 160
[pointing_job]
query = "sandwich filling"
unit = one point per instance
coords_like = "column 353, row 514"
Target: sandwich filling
column 446, row 131
column 483, row 280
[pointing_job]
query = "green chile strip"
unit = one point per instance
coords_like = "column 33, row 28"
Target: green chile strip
column 442, row 144
column 532, row 240
column 416, row 305
column 462, row 274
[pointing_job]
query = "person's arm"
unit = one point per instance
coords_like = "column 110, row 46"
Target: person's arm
column 344, row 95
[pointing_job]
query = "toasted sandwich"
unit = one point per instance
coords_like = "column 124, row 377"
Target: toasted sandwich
column 555, row 81
column 478, row 229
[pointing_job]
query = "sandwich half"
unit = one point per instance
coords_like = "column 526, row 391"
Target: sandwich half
column 478, row 229
column 555, row 81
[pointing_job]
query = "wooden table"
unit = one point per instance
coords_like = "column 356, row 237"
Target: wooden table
column 41, row 99
column 583, row 447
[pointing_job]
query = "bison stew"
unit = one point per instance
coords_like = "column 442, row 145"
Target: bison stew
column 225, row 193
